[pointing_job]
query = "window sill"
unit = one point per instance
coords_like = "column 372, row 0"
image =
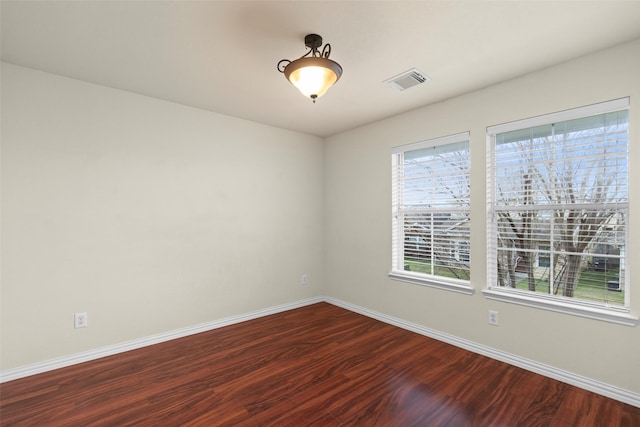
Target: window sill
column 613, row 315
column 460, row 286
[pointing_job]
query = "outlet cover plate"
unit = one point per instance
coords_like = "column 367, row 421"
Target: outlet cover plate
column 81, row 320
column 493, row 318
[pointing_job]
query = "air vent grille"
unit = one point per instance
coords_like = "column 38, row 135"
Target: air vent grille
column 410, row 78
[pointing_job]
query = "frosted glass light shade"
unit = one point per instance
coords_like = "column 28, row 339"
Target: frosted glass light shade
column 313, row 76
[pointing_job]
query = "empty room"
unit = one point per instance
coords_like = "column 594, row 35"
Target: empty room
column 320, row 213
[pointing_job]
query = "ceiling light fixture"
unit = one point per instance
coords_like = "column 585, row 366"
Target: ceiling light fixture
column 313, row 73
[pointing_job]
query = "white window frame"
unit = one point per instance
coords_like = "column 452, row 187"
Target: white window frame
column 397, row 268
column 614, row 314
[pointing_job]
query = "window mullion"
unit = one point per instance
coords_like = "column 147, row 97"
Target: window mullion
column 552, row 266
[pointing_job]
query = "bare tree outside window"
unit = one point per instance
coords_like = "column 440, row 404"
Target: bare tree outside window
column 560, row 194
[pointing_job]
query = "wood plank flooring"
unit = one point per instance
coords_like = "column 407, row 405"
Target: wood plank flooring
column 315, row 366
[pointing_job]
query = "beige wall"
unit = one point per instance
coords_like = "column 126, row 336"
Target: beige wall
column 358, row 220
column 148, row 215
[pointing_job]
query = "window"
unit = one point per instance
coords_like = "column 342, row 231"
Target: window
column 430, row 206
column 544, row 256
column 558, row 210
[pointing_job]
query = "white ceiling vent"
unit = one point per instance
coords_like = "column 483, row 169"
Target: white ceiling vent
column 410, row 78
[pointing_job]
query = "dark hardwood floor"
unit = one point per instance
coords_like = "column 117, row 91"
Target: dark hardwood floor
column 315, row 366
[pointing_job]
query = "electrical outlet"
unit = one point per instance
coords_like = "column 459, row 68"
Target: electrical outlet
column 493, row 318
column 81, row 320
column 304, row 280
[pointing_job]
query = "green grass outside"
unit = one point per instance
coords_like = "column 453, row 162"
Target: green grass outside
column 591, row 287
column 424, row 266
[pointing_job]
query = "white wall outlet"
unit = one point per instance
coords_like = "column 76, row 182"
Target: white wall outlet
column 81, row 320
column 493, row 318
column 304, row 280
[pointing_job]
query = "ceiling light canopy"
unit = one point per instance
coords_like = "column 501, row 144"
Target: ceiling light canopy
column 313, row 73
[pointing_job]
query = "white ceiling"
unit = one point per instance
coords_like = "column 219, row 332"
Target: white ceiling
column 222, row 56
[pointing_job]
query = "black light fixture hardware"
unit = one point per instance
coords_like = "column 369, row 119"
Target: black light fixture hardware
column 313, row 73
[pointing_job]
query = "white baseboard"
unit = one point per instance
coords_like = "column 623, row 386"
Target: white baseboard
column 85, row 356
column 604, row 389
column 580, row 381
